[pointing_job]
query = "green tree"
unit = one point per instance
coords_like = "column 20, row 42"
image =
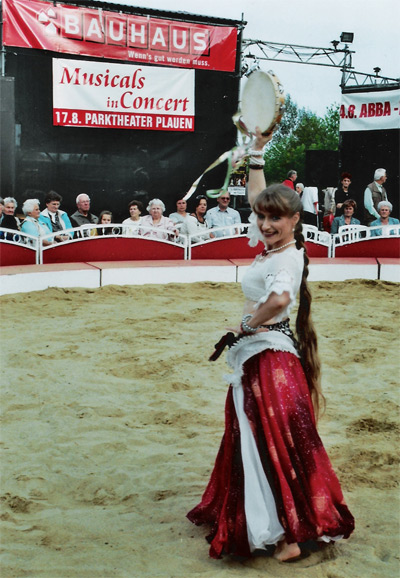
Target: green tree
column 299, row 130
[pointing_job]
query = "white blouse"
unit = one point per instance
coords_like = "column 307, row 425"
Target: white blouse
column 276, row 273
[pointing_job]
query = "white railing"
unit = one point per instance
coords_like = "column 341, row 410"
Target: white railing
column 347, row 234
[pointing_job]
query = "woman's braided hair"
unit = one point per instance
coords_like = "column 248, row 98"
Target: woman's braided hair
column 283, row 201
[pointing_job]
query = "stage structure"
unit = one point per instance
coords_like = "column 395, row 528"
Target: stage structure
column 115, row 101
column 370, row 116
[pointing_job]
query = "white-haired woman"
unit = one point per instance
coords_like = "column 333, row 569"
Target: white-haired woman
column 384, row 210
column 155, row 225
column 31, row 225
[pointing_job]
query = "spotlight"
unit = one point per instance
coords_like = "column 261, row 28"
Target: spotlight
column 347, row 37
column 255, row 66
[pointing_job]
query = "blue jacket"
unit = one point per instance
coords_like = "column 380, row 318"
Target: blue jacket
column 340, row 222
column 378, row 232
column 44, row 217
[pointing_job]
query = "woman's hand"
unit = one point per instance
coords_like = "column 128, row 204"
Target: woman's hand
column 261, row 139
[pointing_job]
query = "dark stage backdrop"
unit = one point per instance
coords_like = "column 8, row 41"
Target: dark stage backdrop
column 362, row 152
column 113, row 166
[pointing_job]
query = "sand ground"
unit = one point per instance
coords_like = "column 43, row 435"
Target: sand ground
column 112, row 417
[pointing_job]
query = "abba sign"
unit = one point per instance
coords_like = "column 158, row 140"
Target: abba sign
column 118, row 36
column 110, row 95
column 378, row 110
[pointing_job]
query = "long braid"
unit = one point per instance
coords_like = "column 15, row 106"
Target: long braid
column 306, row 334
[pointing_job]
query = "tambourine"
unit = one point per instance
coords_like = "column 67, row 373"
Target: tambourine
column 262, row 103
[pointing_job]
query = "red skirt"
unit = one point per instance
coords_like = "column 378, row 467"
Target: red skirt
column 307, row 493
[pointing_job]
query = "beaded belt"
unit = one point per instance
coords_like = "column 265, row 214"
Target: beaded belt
column 283, row 327
column 229, row 339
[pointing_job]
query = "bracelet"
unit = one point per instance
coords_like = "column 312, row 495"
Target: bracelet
column 256, row 167
column 246, row 328
column 256, row 161
column 255, row 153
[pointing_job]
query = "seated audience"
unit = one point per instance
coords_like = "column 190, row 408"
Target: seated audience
column 181, row 217
column 82, row 215
column 198, row 222
column 132, row 223
column 156, row 221
column 105, row 218
column 55, row 219
column 32, row 225
column 222, row 215
column 384, row 210
column 349, row 207
column 9, row 220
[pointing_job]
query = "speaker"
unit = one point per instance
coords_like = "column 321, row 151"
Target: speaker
column 7, row 136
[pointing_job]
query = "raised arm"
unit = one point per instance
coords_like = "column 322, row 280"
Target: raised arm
column 256, row 181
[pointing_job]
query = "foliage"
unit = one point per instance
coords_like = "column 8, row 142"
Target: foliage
column 299, row 130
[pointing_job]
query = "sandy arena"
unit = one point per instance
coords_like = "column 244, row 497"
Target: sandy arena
column 112, row 418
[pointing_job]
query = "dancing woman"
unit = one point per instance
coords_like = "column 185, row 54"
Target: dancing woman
column 273, row 485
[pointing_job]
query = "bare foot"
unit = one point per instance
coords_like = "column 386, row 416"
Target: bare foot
column 285, row 552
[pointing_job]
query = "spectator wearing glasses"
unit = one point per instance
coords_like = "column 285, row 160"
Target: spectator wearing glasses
column 223, row 215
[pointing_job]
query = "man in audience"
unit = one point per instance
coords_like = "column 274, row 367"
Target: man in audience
column 374, row 194
column 223, row 215
column 83, row 216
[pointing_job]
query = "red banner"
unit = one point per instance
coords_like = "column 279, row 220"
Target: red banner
column 118, row 36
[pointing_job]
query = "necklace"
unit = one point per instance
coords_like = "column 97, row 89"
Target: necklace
column 267, row 251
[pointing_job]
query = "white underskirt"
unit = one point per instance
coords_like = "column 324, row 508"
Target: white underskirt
column 263, row 526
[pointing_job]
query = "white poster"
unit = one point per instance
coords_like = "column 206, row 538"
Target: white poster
column 128, row 96
column 379, row 110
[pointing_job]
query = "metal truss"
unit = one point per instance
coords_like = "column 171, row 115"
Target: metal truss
column 317, row 56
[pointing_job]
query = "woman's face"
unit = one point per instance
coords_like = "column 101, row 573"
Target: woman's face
column 53, row 206
column 134, row 212
column 156, row 212
column 384, row 212
column 9, row 209
column 181, row 206
column 348, row 211
column 202, row 207
column 346, row 183
column 277, row 230
column 106, row 220
column 35, row 212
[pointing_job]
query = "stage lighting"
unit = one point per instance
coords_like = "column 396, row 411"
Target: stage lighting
column 347, row 37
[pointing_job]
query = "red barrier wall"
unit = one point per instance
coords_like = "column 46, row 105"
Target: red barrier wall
column 232, row 248
column 112, row 249
column 16, row 255
column 380, row 247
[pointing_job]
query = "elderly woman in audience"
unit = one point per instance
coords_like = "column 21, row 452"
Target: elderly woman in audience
column 384, row 210
column 32, row 225
column 349, row 208
column 133, row 221
column 155, row 225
